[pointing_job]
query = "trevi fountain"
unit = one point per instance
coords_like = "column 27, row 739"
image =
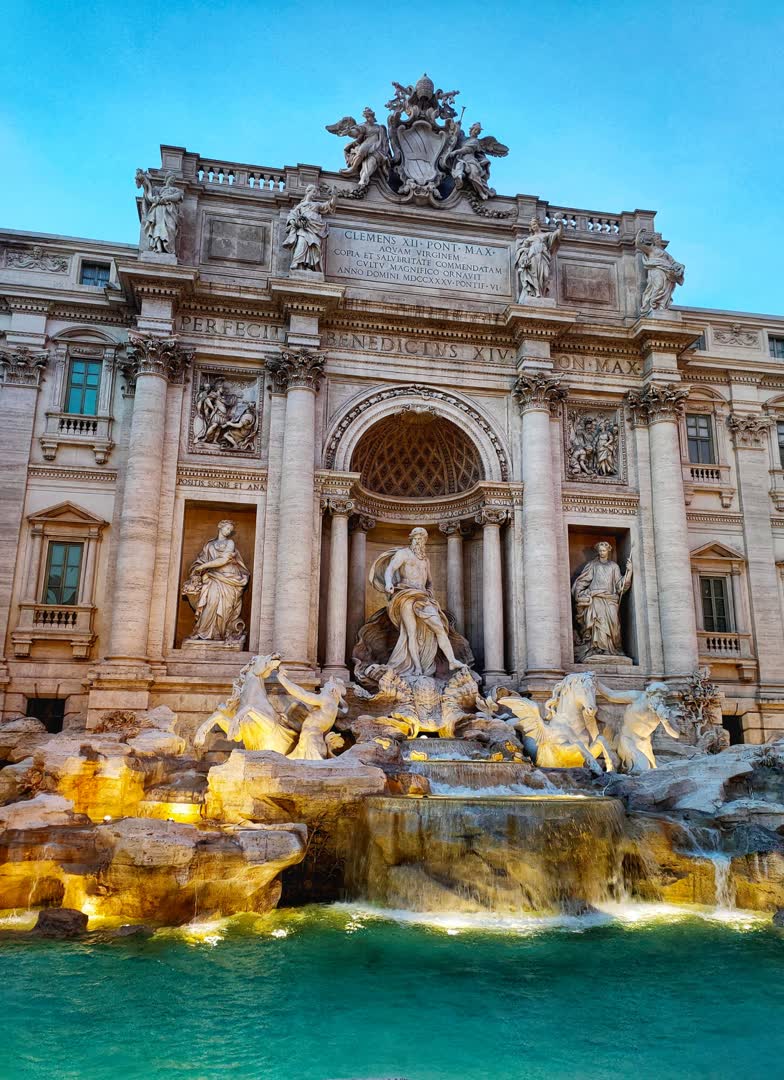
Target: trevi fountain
column 437, row 786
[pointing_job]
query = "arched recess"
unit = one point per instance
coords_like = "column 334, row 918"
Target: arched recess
column 365, row 410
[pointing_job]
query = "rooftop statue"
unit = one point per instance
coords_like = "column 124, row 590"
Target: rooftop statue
column 533, row 255
column 306, row 230
column 368, row 151
column 664, row 273
column 468, row 162
column 160, row 212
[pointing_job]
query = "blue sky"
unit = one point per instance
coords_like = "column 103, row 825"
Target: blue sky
column 672, row 106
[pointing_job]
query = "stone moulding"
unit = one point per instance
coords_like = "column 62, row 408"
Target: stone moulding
column 603, row 502
column 196, row 476
column 364, row 410
column 484, row 497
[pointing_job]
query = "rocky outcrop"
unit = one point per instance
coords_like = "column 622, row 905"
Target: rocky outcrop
column 60, row 923
column 20, row 737
column 696, row 784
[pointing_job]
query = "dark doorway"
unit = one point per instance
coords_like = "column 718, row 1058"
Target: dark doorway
column 734, row 725
column 49, row 710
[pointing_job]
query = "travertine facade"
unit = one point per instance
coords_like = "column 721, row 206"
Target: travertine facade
column 416, row 370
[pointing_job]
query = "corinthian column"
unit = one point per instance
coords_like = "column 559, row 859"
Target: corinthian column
column 337, row 586
column 301, row 371
column 659, row 406
column 491, row 519
column 536, row 394
column 152, row 363
column 455, row 593
column 356, row 577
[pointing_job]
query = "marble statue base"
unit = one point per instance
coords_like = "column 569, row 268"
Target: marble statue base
column 162, row 258
column 536, row 301
column 197, row 645
column 602, row 660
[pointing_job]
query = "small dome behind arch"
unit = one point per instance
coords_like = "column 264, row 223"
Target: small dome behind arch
column 416, row 454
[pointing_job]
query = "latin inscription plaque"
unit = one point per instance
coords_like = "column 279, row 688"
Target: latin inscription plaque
column 396, row 259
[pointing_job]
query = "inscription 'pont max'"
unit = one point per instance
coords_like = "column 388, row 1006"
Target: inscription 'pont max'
column 416, row 260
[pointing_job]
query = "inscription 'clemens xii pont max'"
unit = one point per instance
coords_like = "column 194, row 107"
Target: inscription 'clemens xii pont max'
column 418, row 260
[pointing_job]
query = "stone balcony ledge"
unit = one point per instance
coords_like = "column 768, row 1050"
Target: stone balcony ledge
column 713, row 478
column 72, row 624
column 74, row 429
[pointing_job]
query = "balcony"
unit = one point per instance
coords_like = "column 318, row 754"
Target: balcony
column 77, row 430
column 714, row 479
column 728, row 647
column 55, row 622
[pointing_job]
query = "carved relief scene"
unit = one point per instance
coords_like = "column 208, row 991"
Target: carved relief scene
column 225, row 413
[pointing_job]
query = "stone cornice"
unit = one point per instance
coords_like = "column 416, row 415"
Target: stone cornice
column 599, row 502
column 484, row 496
column 707, row 517
column 666, row 335
column 221, row 478
column 545, row 324
column 49, row 472
column 656, row 401
column 305, row 297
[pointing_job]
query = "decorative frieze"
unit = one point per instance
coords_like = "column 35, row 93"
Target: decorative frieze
column 656, row 401
column 536, row 390
column 36, row 258
column 748, row 429
column 736, row 334
column 581, row 502
column 225, row 412
column 221, row 479
column 149, row 355
column 596, row 363
column 297, row 368
column 593, row 445
column 21, row 366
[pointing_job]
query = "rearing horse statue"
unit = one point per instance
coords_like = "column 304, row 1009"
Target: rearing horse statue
column 569, row 736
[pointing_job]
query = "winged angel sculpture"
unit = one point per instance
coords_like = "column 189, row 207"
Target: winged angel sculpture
column 423, row 153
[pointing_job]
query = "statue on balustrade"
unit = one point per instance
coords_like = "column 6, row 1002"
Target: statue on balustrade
column 411, row 635
column 533, row 258
column 597, row 592
column 216, row 582
column 368, row 151
column 306, row 230
column 160, row 212
column 664, row 273
column 468, row 163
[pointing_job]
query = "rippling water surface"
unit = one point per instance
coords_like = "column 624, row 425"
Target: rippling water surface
column 340, row 993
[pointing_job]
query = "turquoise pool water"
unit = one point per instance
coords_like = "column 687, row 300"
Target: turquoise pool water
column 327, row 993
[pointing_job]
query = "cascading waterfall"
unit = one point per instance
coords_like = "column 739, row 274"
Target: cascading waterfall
column 476, row 777
column 510, row 854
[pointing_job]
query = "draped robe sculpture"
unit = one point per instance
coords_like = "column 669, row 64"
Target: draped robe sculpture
column 217, row 580
column 597, row 592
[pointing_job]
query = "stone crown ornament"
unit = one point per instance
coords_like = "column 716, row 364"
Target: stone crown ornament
column 422, row 154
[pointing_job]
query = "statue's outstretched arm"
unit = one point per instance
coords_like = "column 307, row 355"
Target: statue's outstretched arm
column 617, row 697
column 670, row 729
column 305, row 696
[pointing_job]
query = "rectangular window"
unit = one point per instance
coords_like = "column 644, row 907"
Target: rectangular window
column 780, row 433
column 776, row 346
column 96, row 274
column 715, row 607
column 699, row 431
column 63, row 565
column 84, row 380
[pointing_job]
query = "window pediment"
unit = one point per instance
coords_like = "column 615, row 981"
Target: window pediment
column 67, row 513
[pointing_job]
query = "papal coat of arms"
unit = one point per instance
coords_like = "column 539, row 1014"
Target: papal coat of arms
column 423, row 153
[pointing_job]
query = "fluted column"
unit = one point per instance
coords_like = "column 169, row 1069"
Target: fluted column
column 302, row 372
column 356, row 577
column 750, row 435
column 536, row 394
column 152, row 363
column 337, row 586
column 455, row 592
column 491, row 519
column 659, row 406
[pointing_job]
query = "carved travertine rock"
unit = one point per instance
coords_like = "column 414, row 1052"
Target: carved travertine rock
column 597, row 592
column 217, row 579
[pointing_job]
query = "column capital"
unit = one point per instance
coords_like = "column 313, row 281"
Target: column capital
column 297, row 368
column 337, row 505
column 450, row 528
column 537, row 390
column 491, row 515
column 150, row 355
column 748, row 429
column 656, row 401
column 22, row 366
column 363, row 522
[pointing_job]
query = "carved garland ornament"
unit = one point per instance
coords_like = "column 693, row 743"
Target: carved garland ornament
column 427, row 393
column 655, row 401
column 748, row 429
column 21, row 366
column 36, row 259
column 736, row 334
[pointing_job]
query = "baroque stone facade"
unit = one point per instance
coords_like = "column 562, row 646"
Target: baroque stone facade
column 325, row 358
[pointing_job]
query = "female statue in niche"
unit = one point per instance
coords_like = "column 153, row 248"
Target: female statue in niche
column 597, row 592
column 217, row 580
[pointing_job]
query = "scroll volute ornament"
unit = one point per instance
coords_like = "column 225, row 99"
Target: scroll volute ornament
column 657, row 401
column 297, row 368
